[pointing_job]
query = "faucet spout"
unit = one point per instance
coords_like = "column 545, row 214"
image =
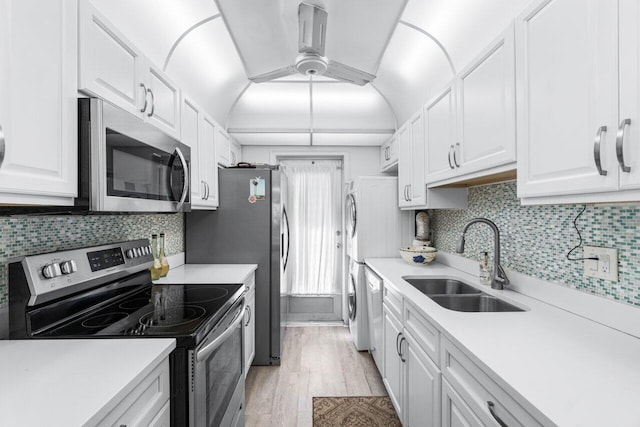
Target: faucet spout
column 499, row 279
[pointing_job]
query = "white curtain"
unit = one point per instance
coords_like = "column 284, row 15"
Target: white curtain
column 314, row 217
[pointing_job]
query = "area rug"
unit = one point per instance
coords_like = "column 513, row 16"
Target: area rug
column 369, row 411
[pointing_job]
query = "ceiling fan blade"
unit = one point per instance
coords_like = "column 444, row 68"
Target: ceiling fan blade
column 272, row 75
column 312, row 26
column 339, row 71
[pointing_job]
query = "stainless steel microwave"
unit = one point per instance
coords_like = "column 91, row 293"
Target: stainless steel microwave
column 127, row 165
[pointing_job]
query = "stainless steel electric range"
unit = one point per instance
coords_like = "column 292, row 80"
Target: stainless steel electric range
column 106, row 292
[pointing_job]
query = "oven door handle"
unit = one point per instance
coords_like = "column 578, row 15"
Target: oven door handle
column 185, row 186
column 210, row 348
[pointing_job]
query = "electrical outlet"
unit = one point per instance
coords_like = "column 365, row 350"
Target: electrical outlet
column 605, row 267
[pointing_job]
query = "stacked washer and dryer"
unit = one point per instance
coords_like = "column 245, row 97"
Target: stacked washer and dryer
column 375, row 228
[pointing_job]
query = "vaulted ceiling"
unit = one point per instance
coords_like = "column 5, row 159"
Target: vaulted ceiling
column 413, row 47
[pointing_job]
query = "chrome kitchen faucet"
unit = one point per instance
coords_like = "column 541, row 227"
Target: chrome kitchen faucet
column 499, row 278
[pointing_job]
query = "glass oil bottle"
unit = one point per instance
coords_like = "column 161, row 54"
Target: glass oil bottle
column 156, row 267
column 164, row 264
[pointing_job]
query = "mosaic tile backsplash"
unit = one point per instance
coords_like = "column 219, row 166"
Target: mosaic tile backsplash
column 27, row 235
column 536, row 239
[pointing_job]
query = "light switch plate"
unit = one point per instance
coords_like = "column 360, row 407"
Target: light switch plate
column 606, row 267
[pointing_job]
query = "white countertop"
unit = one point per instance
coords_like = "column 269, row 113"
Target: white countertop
column 208, row 273
column 68, row 382
column 574, row 371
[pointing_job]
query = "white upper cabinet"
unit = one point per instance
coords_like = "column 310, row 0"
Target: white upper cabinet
column 567, row 91
column 198, row 132
column 111, row 68
column 411, row 184
column 440, row 131
column 486, row 108
column 223, row 147
column 38, row 106
column 389, row 155
column 629, row 75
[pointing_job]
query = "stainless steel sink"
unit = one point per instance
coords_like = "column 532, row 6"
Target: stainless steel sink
column 474, row 303
column 433, row 286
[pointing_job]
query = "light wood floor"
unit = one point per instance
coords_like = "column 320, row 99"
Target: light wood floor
column 316, row 361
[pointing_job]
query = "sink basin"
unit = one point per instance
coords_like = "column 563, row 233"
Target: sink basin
column 474, row 303
column 433, row 286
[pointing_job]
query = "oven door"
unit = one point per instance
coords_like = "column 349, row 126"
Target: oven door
column 133, row 167
column 217, row 389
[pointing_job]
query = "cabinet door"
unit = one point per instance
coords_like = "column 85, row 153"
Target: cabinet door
column 163, row 419
column 456, row 413
column 629, row 17
column 236, row 152
column 417, row 188
column 440, row 136
column 389, row 154
column 38, row 106
column 207, row 157
column 110, row 66
column 191, row 137
column 405, row 166
column 566, row 67
column 393, row 365
column 223, row 147
column 163, row 101
column 421, row 387
column 249, row 329
column 486, row 108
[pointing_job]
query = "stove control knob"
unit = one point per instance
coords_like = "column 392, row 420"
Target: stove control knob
column 138, row 252
column 50, row 271
column 129, row 253
column 68, row 267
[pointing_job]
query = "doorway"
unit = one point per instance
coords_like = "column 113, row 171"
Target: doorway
column 312, row 290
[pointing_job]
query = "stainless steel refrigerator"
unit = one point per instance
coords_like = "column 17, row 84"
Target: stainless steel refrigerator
column 249, row 227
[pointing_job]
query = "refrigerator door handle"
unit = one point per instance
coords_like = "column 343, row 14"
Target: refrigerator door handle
column 286, row 220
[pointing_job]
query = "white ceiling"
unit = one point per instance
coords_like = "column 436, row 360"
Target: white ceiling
column 412, row 57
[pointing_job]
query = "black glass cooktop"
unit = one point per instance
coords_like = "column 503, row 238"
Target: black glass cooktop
column 155, row 310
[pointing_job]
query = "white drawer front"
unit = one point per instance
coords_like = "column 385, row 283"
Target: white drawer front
column 145, row 401
column 426, row 335
column 477, row 389
column 392, row 299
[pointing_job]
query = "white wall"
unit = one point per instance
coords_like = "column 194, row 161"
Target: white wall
column 362, row 161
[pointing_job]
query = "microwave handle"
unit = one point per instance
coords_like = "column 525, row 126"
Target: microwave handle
column 185, row 187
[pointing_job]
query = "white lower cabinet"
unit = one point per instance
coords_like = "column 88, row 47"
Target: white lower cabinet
column 456, row 413
column 489, row 402
column 411, row 378
column 146, row 405
column 249, row 323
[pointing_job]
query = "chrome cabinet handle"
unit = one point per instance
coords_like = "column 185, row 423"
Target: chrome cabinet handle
column 208, row 191
column 2, row 146
column 455, row 160
column 450, row 164
column 398, row 337
column 403, row 339
column 406, row 198
column 203, row 189
column 596, row 150
column 409, row 192
column 493, row 414
column 153, row 103
column 144, row 89
column 619, row 144
column 185, row 186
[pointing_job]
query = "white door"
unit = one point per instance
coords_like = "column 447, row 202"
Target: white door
column 110, row 67
column 405, row 165
column 421, row 388
column 417, row 187
column 38, row 106
column 455, row 412
column 191, row 137
column 163, row 110
column 393, row 365
column 486, row 108
column 440, row 136
column 223, row 147
column 566, row 66
column 629, row 119
column 207, row 157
